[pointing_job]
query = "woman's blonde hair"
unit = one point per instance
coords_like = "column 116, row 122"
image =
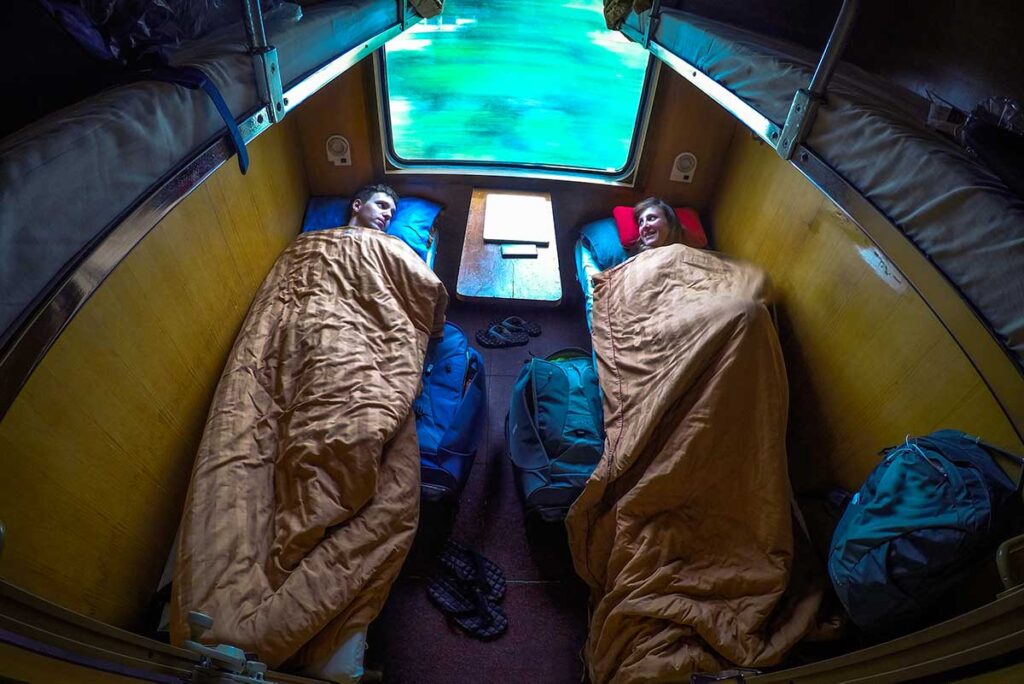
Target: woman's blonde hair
column 675, row 229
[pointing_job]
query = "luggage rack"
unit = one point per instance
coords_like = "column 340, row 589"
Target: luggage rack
column 1001, row 371
column 23, row 346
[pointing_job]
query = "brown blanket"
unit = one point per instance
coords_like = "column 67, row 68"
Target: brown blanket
column 684, row 531
column 305, row 494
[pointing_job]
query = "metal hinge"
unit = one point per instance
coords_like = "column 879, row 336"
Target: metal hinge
column 266, row 69
column 798, row 121
column 269, row 86
column 806, row 100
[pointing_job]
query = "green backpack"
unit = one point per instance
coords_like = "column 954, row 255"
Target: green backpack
column 555, row 431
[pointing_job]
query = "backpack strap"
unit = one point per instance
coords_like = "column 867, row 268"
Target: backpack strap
column 79, row 24
column 531, row 440
column 194, row 78
column 993, row 450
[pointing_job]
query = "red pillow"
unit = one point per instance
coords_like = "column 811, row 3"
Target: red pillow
column 629, row 233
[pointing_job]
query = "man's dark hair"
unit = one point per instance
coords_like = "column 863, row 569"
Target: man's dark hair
column 367, row 191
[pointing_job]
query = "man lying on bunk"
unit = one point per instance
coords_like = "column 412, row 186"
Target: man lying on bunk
column 304, row 498
column 373, row 206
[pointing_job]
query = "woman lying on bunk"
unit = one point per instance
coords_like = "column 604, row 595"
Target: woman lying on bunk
column 304, row 497
column 658, row 224
column 684, row 531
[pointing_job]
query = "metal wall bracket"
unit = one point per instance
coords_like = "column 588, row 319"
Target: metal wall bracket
column 652, row 23
column 806, row 100
column 798, row 122
column 264, row 61
column 403, row 10
column 268, row 81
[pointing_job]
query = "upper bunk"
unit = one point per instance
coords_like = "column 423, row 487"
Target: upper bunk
column 921, row 196
column 81, row 186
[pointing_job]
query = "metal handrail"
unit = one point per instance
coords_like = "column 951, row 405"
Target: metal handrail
column 805, row 103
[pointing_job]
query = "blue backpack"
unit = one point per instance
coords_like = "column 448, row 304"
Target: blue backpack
column 555, row 431
column 450, row 414
column 918, row 523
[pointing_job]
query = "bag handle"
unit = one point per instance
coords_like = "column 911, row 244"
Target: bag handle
column 999, row 451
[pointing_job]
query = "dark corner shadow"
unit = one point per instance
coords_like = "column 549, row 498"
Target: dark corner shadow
column 806, row 430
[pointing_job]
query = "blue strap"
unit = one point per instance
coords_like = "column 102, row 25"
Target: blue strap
column 193, row 78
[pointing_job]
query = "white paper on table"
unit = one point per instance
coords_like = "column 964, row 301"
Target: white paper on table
column 510, row 217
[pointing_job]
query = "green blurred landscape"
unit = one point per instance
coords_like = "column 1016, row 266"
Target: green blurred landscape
column 523, row 81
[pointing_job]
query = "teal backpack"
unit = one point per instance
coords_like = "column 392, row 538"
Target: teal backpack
column 916, row 527
column 555, row 431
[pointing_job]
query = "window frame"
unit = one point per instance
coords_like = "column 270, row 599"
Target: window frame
column 626, row 176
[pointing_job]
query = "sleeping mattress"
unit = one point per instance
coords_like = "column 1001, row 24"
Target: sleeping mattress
column 684, row 532
column 67, row 177
column 305, row 492
column 873, row 133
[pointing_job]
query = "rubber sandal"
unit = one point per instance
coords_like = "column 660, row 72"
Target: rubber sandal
column 498, row 336
column 447, row 594
column 489, row 622
column 466, row 605
column 466, row 565
column 520, row 324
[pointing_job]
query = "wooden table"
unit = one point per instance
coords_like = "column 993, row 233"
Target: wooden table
column 484, row 275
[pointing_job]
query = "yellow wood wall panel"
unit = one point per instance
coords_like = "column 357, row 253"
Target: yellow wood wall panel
column 683, row 120
column 22, row 665
column 868, row 361
column 341, row 109
column 99, row 445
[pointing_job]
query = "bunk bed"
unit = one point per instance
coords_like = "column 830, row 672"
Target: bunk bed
column 80, row 187
column 947, row 222
column 671, row 442
column 951, row 225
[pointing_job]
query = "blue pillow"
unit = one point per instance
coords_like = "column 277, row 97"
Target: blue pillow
column 602, row 239
column 413, row 219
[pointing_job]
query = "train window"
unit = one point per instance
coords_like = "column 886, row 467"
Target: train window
column 534, row 83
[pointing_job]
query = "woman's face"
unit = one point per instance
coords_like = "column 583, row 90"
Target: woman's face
column 653, row 227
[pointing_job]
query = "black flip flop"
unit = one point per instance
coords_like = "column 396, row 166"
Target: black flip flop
column 498, row 336
column 520, row 324
column 466, row 565
column 489, row 622
column 464, row 603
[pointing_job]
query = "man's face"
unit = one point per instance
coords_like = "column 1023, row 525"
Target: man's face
column 375, row 212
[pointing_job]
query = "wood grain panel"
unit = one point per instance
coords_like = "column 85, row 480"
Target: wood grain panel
column 683, row 120
column 98, row 447
column 340, row 109
column 25, row 666
column 868, row 361
column 486, row 276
